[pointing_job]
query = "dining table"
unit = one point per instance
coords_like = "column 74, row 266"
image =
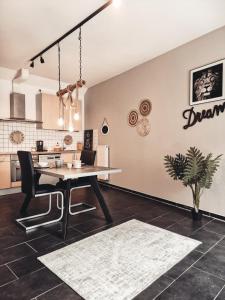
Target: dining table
column 68, row 174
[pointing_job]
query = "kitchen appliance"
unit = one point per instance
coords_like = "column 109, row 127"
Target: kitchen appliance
column 39, row 146
column 103, row 160
column 49, row 157
column 15, row 167
column 17, row 106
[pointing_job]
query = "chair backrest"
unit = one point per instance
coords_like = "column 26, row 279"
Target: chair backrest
column 88, row 157
column 27, row 172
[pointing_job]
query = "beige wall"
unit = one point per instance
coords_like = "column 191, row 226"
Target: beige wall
column 165, row 80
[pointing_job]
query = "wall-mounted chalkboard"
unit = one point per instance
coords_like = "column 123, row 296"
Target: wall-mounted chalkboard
column 88, row 139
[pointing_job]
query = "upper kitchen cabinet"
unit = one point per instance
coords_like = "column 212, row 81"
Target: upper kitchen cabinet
column 47, row 111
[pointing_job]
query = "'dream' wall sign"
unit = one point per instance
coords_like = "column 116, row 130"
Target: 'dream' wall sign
column 193, row 117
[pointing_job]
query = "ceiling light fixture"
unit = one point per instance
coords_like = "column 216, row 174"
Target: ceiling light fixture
column 68, row 104
column 61, row 104
column 76, row 115
column 116, row 3
column 76, row 27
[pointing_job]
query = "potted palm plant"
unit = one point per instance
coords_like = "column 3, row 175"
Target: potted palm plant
column 195, row 171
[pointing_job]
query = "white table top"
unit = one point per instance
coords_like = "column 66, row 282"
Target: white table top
column 65, row 173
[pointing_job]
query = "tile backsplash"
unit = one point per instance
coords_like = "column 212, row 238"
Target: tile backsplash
column 31, row 135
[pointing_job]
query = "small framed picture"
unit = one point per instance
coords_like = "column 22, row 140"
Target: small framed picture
column 207, row 83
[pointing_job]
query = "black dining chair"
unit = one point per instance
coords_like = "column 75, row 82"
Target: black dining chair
column 32, row 189
column 87, row 158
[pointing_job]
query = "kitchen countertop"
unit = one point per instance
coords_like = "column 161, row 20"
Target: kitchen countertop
column 43, row 152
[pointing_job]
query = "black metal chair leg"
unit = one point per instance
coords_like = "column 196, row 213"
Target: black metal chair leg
column 25, row 205
column 101, row 200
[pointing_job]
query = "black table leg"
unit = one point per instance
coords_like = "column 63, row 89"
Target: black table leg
column 66, row 208
column 101, row 200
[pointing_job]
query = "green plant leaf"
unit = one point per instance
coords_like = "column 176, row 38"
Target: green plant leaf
column 175, row 166
column 194, row 166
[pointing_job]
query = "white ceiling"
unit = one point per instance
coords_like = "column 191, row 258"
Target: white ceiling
column 113, row 42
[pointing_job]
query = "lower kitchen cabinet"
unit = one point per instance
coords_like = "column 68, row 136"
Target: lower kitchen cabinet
column 5, row 174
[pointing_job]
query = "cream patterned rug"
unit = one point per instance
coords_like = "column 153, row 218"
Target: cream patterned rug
column 118, row 263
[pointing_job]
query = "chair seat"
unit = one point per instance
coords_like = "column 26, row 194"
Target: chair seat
column 46, row 188
column 74, row 183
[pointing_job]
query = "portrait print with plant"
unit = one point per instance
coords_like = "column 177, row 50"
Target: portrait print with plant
column 195, row 171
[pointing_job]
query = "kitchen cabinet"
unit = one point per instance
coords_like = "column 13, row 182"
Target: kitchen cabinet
column 47, row 112
column 5, row 174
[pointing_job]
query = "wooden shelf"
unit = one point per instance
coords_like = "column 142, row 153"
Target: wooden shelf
column 21, row 121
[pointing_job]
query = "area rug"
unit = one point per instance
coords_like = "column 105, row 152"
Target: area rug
column 118, row 263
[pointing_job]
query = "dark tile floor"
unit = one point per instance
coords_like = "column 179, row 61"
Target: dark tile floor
column 200, row 275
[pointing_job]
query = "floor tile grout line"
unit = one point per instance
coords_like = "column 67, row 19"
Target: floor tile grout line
column 188, row 269
column 223, row 279
column 11, row 261
column 35, row 271
column 36, row 297
column 206, row 229
column 12, row 271
column 31, row 247
column 199, row 251
column 223, row 288
column 198, row 229
column 8, row 283
column 160, row 216
column 25, row 242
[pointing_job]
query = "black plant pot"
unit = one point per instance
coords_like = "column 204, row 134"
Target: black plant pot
column 196, row 216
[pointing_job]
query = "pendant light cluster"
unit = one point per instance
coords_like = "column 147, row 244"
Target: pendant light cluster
column 71, row 103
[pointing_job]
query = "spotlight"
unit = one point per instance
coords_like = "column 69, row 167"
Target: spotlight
column 32, row 64
column 42, row 61
column 116, row 3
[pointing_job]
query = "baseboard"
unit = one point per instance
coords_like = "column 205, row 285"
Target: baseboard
column 10, row 191
column 161, row 200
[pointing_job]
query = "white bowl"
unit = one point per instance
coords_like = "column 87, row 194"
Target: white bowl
column 43, row 164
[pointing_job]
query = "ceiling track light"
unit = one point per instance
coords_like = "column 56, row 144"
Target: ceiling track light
column 42, row 61
column 32, row 64
column 76, row 27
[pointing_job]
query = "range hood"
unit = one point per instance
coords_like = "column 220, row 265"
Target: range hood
column 17, row 109
column 17, row 106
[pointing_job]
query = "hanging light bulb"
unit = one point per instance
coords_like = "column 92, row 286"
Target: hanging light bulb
column 60, row 121
column 71, row 128
column 76, row 115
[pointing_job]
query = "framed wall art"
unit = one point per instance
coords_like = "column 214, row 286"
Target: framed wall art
column 207, row 83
